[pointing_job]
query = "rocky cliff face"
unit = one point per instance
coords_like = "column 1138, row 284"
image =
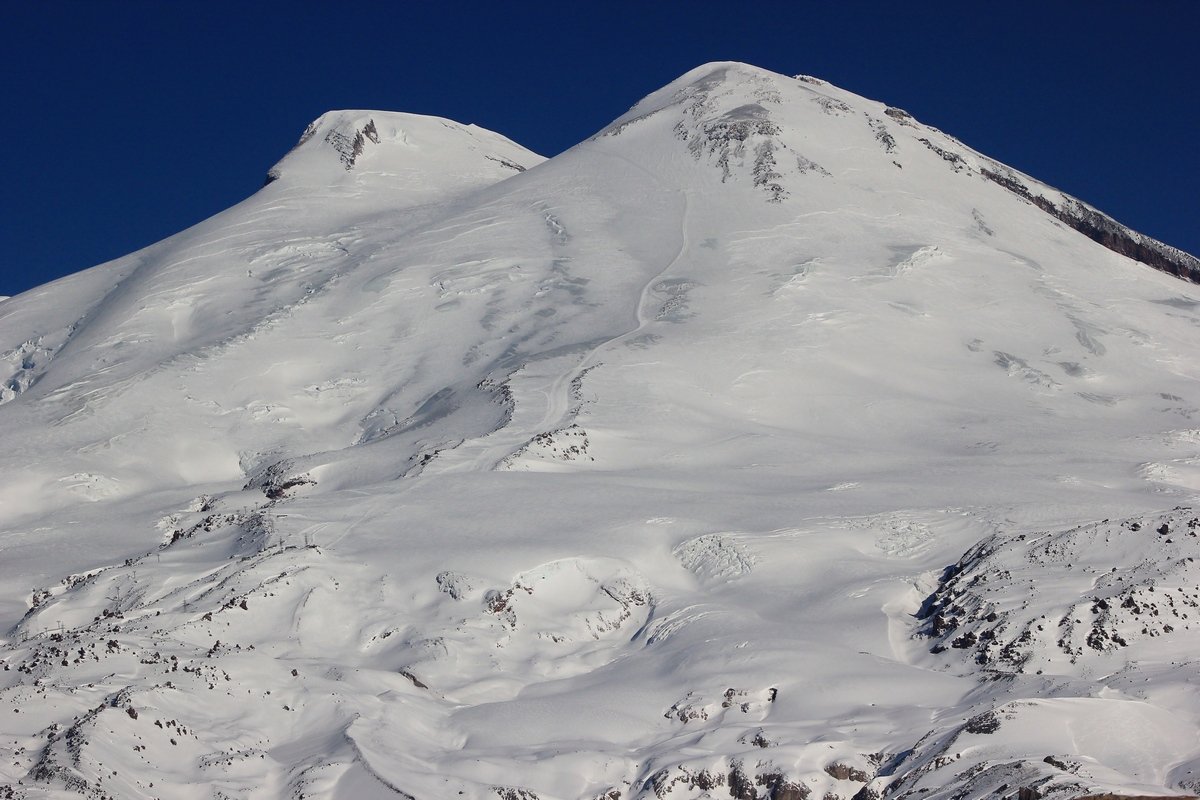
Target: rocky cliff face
column 347, row 145
column 1101, row 228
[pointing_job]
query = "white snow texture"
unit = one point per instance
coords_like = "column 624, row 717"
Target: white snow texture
column 768, row 444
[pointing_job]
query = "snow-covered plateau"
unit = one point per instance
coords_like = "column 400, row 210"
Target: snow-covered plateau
column 769, row 444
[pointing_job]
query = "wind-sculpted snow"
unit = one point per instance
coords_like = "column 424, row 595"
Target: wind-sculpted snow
column 762, row 446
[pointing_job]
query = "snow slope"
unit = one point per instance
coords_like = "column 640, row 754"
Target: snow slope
column 767, row 444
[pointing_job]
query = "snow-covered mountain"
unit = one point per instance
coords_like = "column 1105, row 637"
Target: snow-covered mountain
column 768, row 444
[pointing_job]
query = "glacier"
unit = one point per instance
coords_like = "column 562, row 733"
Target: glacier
column 768, row 444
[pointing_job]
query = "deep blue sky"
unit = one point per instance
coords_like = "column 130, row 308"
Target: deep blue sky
column 128, row 121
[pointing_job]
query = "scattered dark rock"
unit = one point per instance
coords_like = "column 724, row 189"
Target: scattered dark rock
column 1106, row 231
column 791, row 791
column 1054, row 762
column 953, row 159
column 987, row 722
column 845, row 772
column 968, row 639
column 415, row 681
column 740, row 785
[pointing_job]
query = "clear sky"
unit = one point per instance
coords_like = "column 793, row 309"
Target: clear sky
column 128, row 121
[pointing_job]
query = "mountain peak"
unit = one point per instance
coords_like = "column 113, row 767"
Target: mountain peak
column 633, row 475
column 779, row 134
column 410, row 151
column 714, row 79
column 726, row 72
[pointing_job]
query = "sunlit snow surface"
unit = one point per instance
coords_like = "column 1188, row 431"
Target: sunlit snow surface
column 755, row 447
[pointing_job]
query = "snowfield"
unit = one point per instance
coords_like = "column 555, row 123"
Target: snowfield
column 769, row 444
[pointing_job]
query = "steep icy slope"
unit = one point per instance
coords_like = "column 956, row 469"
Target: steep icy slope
column 435, row 471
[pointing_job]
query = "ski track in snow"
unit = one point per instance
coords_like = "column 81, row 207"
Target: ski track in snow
column 546, row 397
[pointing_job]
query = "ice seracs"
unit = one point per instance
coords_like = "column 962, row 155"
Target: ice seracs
column 767, row 444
